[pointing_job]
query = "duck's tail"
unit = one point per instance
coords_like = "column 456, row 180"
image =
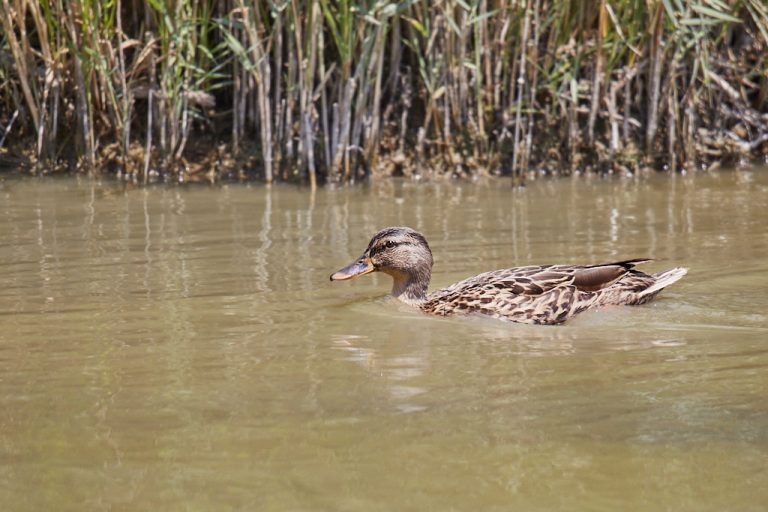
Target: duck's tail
column 662, row 280
column 637, row 288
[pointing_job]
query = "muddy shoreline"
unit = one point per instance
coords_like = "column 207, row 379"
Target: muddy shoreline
column 211, row 162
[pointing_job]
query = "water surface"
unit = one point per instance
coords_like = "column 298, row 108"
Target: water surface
column 181, row 348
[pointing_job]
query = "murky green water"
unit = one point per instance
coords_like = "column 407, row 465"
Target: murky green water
column 181, row 348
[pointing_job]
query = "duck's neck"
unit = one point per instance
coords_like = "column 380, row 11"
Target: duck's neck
column 410, row 287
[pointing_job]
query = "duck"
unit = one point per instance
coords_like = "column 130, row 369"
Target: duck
column 533, row 294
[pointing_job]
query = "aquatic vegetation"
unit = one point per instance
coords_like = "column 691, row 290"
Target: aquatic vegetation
column 322, row 90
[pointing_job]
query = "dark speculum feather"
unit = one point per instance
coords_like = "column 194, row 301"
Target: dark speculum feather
column 596, row 278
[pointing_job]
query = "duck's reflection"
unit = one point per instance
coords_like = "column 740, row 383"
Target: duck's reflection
column 415, row 359
column 401, row 361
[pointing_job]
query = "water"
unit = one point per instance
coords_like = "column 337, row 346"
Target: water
column 181, row 348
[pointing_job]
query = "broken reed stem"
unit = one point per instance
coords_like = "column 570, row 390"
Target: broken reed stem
column 8, row 128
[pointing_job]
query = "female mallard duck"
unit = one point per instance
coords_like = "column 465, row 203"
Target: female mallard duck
column 537, row 294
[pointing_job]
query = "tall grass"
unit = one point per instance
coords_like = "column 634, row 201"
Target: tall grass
column 334, row 90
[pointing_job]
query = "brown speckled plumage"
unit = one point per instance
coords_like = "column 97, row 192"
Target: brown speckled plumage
column 540, row 294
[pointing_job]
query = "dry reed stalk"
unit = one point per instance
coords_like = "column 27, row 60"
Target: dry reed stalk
column 487, row 53
column 262, row 74
column 278, row 102
column 83, row 111
column 372, row 136
column 479, row 44
column 15, row 16
column 627, row 103
column 672, row 115
column 237, row 101
column 366, row 106
column 520, row 92
column 299, row 41
column 498, row 73
column 533, row 88
column 326, row 74
column 127, row 95
column 657, row 58
column 49, row 76
column 689, row 128
column 308, row 130
column 610, row 103
column 148, row 148
column 345, row 114
column 597, row 80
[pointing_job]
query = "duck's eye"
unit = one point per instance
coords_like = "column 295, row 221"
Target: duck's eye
column 390, row 244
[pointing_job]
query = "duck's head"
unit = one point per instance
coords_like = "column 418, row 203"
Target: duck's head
column 401, row 252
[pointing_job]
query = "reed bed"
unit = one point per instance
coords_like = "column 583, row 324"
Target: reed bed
column 335, row 91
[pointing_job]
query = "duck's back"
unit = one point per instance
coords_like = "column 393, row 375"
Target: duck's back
column 548, row 294
column 532, row 294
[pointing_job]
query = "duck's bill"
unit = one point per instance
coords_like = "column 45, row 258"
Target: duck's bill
column 358, row 268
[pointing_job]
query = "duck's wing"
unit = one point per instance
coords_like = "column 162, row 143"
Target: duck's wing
column 592, row 278
column 532, row 294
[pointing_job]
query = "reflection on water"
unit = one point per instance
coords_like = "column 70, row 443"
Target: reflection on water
column 181, row 348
